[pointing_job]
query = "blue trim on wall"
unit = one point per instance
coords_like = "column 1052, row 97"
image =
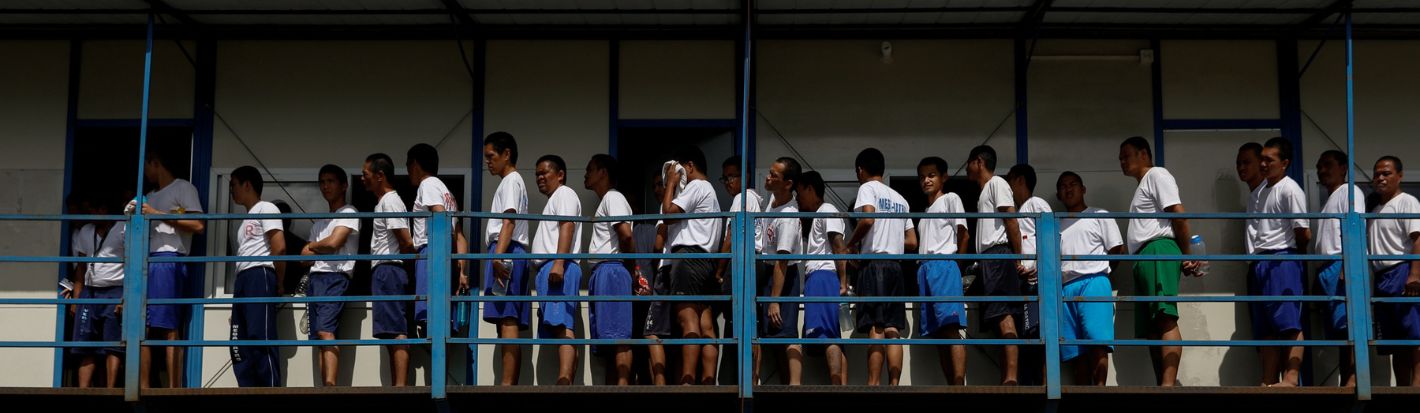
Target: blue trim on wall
column 475, row 195
column 76, row 57
column 204, row 105
column 1022, row 67
column 678, row 123
column 1208, row 124
column 1156, row 88
column 1289, row 106
column 613, row 135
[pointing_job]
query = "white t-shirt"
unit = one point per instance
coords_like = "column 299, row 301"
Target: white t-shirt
column 1027, row 226
column 887, row 234
column 382, row 240
column 697, row 198
column 1156, row 192
column 108, row 274
column 1328, row 231
column 991, row 232
column 323, row 228
column 819, row 243
column 1392, row 236
column 666, row 248
column 756, row 204
column 939, row 235
column 1286, row 197
column 563, row 202
column 431, row 192
column 512, row 194
column 1087, row 237
column 179, row 197
column 82, row 242
column 251, row 238
column 1249, row 231
column 784, row 234
column 605, row 240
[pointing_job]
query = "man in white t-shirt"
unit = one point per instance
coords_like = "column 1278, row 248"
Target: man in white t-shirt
column 1331, row 171
column 997, row 236
column 1022, row 179
column 388, row 277
column 1157, row 192
column 558, row 277
column 693, row 276
column 611, row 277
column 942, row 277
column 167, row 238
column 1396, row 278
column 730, row 178
column 506, row 236
column 1278, row 194
column 256, row 366
column 881, row 278
column 781, row 236
column 1081, row 320
column 431, row 195
column 337, row 236
column 823, row 278
column 99, row 280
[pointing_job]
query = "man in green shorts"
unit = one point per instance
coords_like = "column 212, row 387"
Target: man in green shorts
column 1157, row 192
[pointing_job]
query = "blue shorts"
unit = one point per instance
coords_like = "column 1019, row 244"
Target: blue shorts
column 1396, row 321
column 165, row 280
column 325, row 317
column 608, row 319
column 1086, row 320
column 496, row 312
column 940, row 278
column 788, row 312
column 1333, row 285
column 562, row 314
column 1276, row 278
column 821, row 319
column 98, row 322
column 389, row 316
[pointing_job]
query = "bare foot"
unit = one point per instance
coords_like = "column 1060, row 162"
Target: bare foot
column 1284, row 384
column 1009, row 383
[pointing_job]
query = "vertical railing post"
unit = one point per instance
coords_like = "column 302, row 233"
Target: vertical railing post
column 1355, row 270
column 135, row 292
column 1049, row 282
column 439, row 262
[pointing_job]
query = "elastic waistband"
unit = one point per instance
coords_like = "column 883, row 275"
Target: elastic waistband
column 259, row 268
column 397, row 264
column 1277, row 251
column 330, row 272
column 166, row 254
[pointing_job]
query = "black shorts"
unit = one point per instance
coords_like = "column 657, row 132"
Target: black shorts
column 658, row 313
column 693, row 276
column 881, row 278
column 1000, row 278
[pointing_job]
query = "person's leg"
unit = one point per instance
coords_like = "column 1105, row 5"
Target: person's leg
column 894, row 356
column 86, row 371
column 145, row 362
column 566, row 357
column 795, row 356
column 1414, row 366
column 114, row 364
column 329, row 360
column 174, row 361
column 837, row 365
column 1292, row 360
column 1098, row 360
column 399, row 363
column 1169, row 356
column 1010, row 355
column 623, row 365
column 689, row 316
column 755, row 353
column 875, row 357
column 709, row 353
column 512, row 354
column 657, row 355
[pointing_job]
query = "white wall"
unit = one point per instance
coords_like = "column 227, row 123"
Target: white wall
column 678, row 80
column 111, row 82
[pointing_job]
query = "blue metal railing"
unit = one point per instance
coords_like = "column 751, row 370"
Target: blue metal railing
column 439, row 257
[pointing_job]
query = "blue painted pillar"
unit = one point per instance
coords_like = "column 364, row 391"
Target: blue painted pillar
column 202, row 131
column 1048, row 260
column 1357, row 268
column 439, row 260
column 1022, row 114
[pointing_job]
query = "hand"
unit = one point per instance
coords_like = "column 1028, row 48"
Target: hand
column 1412, row 285
column 306, row 250
column 463, row 282
column 672, row 174
column 149, row 210
column 843, row 290
column 554, row 276
column 67, row 294
column 1028, row 273
column 720, row 278
column 775, row 319
column 118, row 309
column 132, row 206
column 1193, row 268
column 500, row 271
column 642, row 287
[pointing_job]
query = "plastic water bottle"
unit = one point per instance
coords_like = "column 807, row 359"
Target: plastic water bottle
column 1196, row 246
column 500, row 286
column 846, row 321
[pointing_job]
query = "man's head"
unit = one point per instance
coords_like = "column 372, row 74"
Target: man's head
column 333, row 183
column 1249, row 163
column 1331, row 168
column 1135, row 157
column 1386, row 177
column 601, row 172
column 932, row 175
column 1022, row 179
column 1070, row 190
column 551, row 173
column 155, row 164
column 783, row 175
column 730, row 174
column 981, row 163
column 245, row 185
column 809, row 191
column 500, row 152
column 691, row 158
column 422, row 161
column 658, row 186
column 376, row 173
column 1276, row 158
column 869, row 165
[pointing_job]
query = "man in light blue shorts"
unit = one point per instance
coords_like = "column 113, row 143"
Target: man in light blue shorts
column 1086, row 320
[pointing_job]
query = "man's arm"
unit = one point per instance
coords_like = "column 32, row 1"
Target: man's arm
column 331, row 244
column 189, row 225
column 1304, row 239
column 660, row 242
column 1013, row 229
column 776, row 289
column 839, row 247
column 726, row 245
column 505, row 241
column 565, row 232
column 909, row 240
column 1182, row 237
column 963, row 239
column 405, row 240
column 277, row 239
column 667, row 204
column 860, row 230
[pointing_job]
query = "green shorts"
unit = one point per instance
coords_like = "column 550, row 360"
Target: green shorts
column 1155, row 279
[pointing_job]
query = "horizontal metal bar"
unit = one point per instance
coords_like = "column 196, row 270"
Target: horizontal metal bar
column 900, row 299
column 566, row 218
column 286, row 258
column 1208, row 343
column 894, row 215
column 57, row 344
column 894, row 257
column 1402, row 257
column 1395, row 342
column 284, row 343
column 60, row 217
column 1390, row 216
column 1411, row 300
column 593, row 298
column 707, row 11
column 59, row 259
column 584, row 256
column 273, row 300
column 53, row 301
column 300, row 215
column 589, row 341
column 1206, row 299
column 1203, row 257
column 902, row 341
